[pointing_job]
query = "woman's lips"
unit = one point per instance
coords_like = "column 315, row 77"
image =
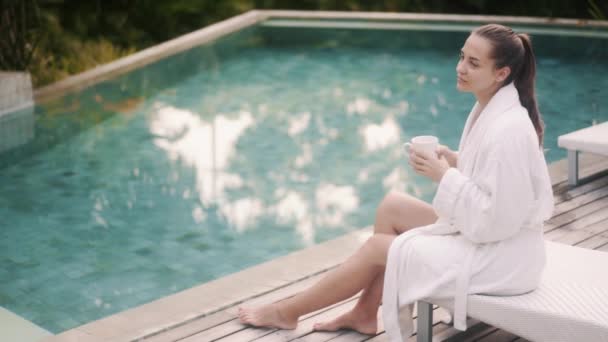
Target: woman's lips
column 461, row 80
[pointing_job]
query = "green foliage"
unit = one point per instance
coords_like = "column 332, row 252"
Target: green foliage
column 63, row 53
column 596, row 11
column 19, row 33
column 82, row 34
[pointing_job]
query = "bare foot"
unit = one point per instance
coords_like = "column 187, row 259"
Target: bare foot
column 269, row 316
column 363, row 323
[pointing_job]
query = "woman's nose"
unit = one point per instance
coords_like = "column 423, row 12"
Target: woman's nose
column 460, row 67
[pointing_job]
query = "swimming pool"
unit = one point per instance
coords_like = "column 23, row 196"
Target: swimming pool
column 261, row 143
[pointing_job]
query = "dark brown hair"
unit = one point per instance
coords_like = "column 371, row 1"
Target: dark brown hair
column 515, row 51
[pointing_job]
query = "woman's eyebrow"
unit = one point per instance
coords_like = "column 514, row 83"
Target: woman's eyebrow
column 470, row 57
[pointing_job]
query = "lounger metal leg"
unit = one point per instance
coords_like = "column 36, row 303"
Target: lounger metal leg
column 572, row 167
column 424, row 331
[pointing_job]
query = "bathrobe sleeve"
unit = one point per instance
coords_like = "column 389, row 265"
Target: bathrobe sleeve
column 494, row 205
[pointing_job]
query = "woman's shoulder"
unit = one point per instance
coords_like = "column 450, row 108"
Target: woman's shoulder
column 515, row 126
column 514, row 121
column 516, row 116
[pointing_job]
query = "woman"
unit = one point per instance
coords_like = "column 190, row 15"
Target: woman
column 483, row 232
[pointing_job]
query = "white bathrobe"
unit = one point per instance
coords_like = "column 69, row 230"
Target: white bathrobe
column 489, row 235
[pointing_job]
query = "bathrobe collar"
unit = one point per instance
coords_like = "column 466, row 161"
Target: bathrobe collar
column 505, row 98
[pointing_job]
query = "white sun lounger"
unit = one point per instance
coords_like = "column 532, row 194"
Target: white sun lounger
column 592, row 139
column 571, row 303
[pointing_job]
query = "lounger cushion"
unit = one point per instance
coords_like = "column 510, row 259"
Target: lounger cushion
column 592, row 139
column 571, row 303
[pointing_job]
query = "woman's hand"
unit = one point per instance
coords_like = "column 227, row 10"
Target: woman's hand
column 433, row 168
column 449, row 155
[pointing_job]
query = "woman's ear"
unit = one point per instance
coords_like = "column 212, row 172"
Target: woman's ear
column 502, row 74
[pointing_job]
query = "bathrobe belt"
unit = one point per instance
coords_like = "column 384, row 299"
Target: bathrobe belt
column 462, row 283
column 462, row 290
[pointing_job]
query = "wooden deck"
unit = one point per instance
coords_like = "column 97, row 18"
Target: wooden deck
column 580, row 218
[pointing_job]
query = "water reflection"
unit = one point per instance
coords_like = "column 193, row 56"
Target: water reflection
column 298, row 124
column 210, row 146
column 360, row 105
column 381, row 136
column 205, row 146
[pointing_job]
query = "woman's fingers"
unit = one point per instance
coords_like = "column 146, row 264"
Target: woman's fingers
column 415, row 160
column 443, row 150
column 419, row 157
column 418, row 162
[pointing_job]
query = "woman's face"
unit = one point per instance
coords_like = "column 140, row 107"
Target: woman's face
column 475, row 71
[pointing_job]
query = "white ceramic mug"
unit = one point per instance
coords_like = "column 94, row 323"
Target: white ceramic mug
column 424, row 144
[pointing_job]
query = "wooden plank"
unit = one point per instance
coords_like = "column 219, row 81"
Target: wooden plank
column 213, row 321
column 576, row 214
column 216, row 333
column 498, row 336
column 351, row 336
column 567, row 193
column 593, row 242
column 444, row 332
column 587, row 220
column 575, row 236
column 320, row 336
column 603, row 248
column 580, row 200
column 379, row 338
column 190, row 328
column 247, row 334
column 478, row 331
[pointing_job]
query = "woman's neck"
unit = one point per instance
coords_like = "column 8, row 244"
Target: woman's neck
column 486, row 95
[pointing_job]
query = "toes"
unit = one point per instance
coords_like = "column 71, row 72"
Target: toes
column 245, row 317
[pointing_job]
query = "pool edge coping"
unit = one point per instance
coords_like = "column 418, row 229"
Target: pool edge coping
column 186, row 306
column 225, row 27
column 433, row 17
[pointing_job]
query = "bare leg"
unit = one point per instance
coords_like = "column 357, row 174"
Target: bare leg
column 396, row 214
column 355, row 274
column 363, row 270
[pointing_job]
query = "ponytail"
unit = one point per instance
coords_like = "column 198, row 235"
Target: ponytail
column 515, row 51
column 524, row 82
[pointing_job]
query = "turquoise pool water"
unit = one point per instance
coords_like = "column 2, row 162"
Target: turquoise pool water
column 234, row 153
